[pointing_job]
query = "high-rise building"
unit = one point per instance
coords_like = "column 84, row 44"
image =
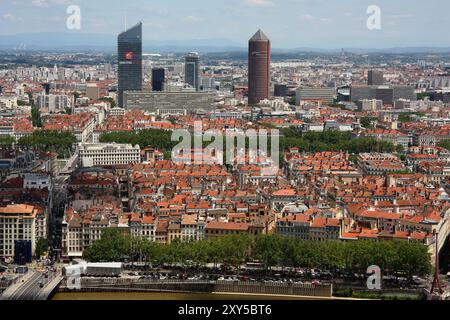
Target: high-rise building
column 318, row 94
column 280, row 90
column 130, row 61
column 163, row 103
column 388, row 94
column 258, row 68
column 46, row 87
column 158, row 78
column 192, row 70
column 21, row 222
column 376, row 78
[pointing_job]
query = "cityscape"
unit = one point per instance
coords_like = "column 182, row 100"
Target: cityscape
column 209, row 169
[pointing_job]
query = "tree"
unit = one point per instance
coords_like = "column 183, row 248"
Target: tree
column 366, row 122
column 36, row 117
column 159, row 139
column 332, row 141
column 393, row 257
column 6, row 141
column 110, row 100
column 267, row 249
column 42, row 246
column 113, row 246
column 445, row 144
column 21, row 103
column 50, row 141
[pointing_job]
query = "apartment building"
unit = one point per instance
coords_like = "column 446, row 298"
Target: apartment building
column 20, row 222
column 393, row 136
column 108, row 154
column 377, row 164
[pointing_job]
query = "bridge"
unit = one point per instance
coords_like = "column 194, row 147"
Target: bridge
column 33, row 286
column 70, row 165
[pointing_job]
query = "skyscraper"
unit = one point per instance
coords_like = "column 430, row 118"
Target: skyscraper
column 192, row 70
column 376, row 78
column 258, row 68
column 130, row 61
column 158, row 78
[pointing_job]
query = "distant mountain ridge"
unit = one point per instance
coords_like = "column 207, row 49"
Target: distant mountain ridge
column 83, row 41
column 67, row 41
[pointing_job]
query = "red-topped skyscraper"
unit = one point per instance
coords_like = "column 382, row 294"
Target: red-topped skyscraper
column 258, row 68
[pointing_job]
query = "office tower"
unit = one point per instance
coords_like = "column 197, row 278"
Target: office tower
column 258, row 68
column 315, row 94
column 280, row 90
column 376, row 78
column 192, row 70
column 46, row 87
column 158, row 78
column 165, row 103
column 388, row 94
column 130, row 61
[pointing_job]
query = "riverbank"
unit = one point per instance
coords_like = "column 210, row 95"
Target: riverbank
column 167, row 296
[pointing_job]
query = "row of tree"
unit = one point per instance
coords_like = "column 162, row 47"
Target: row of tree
column 6, row 141
column 159, row 139
column 50, row 141
column 445, row 144
column 334, row 141
column 409, row 258
column 308, row 142
column 35, row 113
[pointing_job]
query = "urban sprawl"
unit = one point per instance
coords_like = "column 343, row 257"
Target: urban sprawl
column 87, row 147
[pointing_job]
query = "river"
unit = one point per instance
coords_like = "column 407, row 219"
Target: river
column 86, row 296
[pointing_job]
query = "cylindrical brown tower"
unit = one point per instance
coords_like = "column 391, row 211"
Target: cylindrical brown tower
column 258, row 68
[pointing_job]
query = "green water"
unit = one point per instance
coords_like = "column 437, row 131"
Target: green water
column 167, row 296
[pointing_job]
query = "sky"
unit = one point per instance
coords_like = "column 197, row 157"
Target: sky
column 327, row 24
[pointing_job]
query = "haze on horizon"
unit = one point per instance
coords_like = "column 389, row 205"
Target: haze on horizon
column 290, row 24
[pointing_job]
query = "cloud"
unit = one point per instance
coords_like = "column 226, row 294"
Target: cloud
column 47, row 3
column 39, row 3
column 10, row 17
column 400, row 16
column 307, row 17
column 192, row 19
column 260, row 3
column 311, row 18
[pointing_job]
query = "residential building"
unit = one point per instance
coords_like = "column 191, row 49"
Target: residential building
column 108, row 154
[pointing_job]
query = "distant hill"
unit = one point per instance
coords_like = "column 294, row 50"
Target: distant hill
column 104, row 42
column 76, row 41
